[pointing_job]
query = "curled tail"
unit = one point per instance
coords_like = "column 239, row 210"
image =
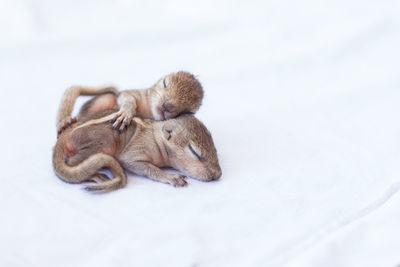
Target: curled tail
column 70, row 96
column 87, row 169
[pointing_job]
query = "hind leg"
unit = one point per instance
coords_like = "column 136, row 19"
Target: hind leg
column 68, row 101
column 96, row 104
column 87, row 141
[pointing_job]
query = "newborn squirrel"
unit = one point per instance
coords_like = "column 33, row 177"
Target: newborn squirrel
column 170, row 96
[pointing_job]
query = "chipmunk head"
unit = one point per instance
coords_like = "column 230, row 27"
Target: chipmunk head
column 190, row 148
column 178, row 93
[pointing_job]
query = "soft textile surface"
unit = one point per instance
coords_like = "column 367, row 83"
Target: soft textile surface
column 303, row 102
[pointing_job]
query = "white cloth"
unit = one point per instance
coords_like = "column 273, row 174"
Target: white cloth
column 301, row 97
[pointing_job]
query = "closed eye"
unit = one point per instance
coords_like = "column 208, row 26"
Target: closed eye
column 194, row 152
column 165, row 85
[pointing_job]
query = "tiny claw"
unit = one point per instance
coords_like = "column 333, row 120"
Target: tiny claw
column 116, row 124
column 65, row 124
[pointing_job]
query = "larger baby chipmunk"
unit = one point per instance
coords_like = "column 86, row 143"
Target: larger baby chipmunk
column 146, row 146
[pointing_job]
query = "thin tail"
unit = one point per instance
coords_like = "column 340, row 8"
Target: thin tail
column 68, row 100
column 87, row 169
column 110, row 117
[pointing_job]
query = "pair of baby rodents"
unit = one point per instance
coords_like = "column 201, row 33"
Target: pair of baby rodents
column 151, row 129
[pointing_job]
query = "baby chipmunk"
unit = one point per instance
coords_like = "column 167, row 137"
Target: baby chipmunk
column 170, row 96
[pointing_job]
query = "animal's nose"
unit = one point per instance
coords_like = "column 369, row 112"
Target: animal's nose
column 216, row 174
column 161, row 108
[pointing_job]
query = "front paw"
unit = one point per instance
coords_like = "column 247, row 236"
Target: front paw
column 122, row 119
column 177, row 180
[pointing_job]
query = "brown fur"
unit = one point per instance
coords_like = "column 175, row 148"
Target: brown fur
column 147, row 145
column 186, row 91
column 169, row 97
column 64, row 113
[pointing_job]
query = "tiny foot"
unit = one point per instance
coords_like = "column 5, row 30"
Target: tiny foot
column 65, row 124
column 99, row 178
column 177, row 180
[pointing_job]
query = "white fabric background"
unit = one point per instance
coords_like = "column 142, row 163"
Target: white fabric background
column 302, row 99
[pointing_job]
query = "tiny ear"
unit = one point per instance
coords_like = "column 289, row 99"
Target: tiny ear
column 168, row 129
